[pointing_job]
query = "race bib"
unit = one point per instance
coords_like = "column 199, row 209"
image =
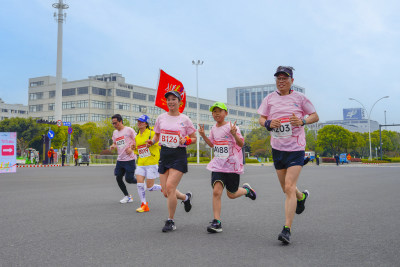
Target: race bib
column 284, row 131
column 221, row 149
column 144, row 151
column 169, row 138
column 120, row 141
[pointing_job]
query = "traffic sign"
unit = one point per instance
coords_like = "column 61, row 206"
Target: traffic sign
column 70, row 131
column 59, row 123
column 67, row 123
column 50, row 134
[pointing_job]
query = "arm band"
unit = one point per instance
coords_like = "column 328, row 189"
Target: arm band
column 188, row 141
column 267, row 125
column 153, row 142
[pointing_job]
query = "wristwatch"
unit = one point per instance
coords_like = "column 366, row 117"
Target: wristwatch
column 304, row 122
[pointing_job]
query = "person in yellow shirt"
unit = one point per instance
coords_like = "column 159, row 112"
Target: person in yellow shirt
column 147, row 163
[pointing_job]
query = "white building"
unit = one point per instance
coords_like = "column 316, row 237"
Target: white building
column 101, row 96
column 251, row 96
column 8, row 111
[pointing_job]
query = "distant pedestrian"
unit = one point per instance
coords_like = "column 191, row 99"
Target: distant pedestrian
column 50, row 155
column 76, row 155
column 63, row 156
column 337, row 159
column 317, row 159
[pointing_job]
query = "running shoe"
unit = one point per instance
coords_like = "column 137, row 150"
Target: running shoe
column 188, row 202
column 144, row 207
column 301, row 203
column 215, row 227
column 169, row 226
column 284, row 236
column 126, row 199
column 251, row 194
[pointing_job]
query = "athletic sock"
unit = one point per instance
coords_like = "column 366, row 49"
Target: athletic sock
column 142, row 192
column 287, row 227
column 248, row 191
column 304, row 196
column 186, row 198
column 155, row 187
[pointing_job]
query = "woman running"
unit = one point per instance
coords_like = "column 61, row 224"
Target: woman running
column 175, row 131
column 147, row 162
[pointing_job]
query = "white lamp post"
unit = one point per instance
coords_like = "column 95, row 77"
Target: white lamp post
column 197, row 63
column 369, row 122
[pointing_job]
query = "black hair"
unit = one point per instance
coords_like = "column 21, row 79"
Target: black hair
column 118, row 117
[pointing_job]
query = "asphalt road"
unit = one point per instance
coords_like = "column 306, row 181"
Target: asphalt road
column 71, row 216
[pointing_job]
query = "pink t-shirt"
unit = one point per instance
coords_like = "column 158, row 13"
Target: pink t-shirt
column 124, row 139
column 171, row 127
column 228, row 155
column 275, row 106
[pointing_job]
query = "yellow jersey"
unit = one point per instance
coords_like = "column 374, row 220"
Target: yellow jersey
column 146, row 156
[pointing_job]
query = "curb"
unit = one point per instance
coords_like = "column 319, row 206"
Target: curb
column 38, row 166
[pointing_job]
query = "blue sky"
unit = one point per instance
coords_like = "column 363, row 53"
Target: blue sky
column 340, row 49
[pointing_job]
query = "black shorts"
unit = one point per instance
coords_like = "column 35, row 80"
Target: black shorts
column 230, row 180
column 286, row 159
column 173, row 158
column 126, row 168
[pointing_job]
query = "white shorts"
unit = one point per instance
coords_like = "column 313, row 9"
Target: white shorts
column 150, row 171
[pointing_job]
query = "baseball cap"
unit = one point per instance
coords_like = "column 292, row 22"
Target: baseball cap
column 285, row 70
column 175, row 93
column 218, row 105
column 144, row 118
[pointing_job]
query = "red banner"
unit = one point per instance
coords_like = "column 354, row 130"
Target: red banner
column 168, row 83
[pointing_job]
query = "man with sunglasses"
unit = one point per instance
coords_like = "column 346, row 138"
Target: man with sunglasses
column 283, row 113
column 124, row 141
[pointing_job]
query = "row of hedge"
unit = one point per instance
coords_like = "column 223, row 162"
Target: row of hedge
column 332, row 160
column 206, row 160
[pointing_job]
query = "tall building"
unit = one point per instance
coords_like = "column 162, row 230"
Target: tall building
column 12, row 110
column 251, row 96
column 101, row 96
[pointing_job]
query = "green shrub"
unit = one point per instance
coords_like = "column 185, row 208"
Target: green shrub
column 252, row 161
column 374, row 161
column 202, row 159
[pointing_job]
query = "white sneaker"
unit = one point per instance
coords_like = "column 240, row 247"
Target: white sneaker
column 126, row 199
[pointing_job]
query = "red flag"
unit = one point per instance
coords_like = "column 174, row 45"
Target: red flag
column 168, row 83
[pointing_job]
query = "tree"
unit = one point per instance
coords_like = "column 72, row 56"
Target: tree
column 334, row 138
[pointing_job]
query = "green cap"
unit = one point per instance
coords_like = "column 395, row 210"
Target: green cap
column 219, row 105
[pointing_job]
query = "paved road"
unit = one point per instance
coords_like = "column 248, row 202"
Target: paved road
column 71, row 216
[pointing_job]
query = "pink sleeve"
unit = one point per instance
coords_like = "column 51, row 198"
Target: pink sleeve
column 113, row 137
column 157, row 126
column 211, row 135
column 308, row 107
column 264, row 109
column 190, row 129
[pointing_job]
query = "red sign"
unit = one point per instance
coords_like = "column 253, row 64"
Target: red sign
column 70, row 130
column 166, row 84
column 59, row 123
column 7, row 150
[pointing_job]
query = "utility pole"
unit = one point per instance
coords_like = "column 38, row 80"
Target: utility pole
column 60, row 17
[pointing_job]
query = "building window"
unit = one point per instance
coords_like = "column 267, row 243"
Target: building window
column 34, row 84
column 232, row 111
column 122, row 93
column 69, row 92
column 135, row 108
column 68, row 105
column 83, row 90
column 99, row 91
column 128, row 118
column 204, row 107
column 109, row 92
column 50, row 118
column 204, row 117
column 98, row 117
column 4, row 110
column 82, row 117
column 241, row 113
column 51, row 106
column 122, row 106
column 192, row 104
column 35, row 96
column 52, row 94
column 152, row 98
column 35, row 108
column 100, row 104
column 21, row 111
column 139, row 96
column 82, row 104
column 68, row 118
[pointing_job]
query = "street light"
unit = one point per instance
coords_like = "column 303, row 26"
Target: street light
column 369, row 121
column 197, row 63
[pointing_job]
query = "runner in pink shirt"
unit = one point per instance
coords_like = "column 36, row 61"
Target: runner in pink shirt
column 124, row 141
column 283, row 114
column 227, row 164
column 174, row 131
